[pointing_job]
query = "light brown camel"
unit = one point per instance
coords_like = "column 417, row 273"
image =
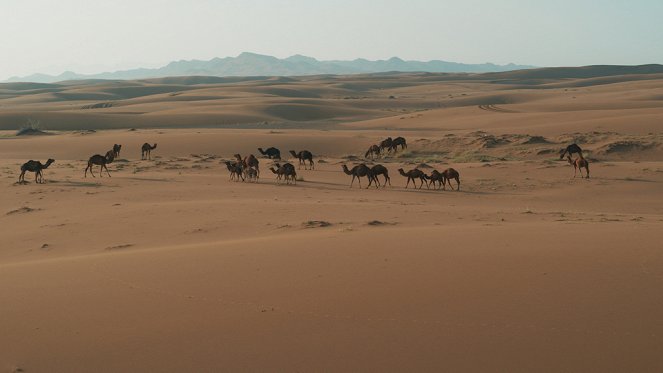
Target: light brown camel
column 36, row 167
column 358, row 172
column 373, row 151
column 304, row 156
column 449, row 174
column 101, row 161
column 578, row 164
column 414, row 174
column 379, row 169
column 146, row 151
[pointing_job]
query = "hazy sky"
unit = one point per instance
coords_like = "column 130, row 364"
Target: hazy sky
column 89, row 36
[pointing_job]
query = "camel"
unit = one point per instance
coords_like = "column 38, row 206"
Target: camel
column 304, row 156
column 252, row 174
column 373, row 151
column 271, row 153
column 573, row 148
column 379, row 169
column 286, row 171
column 449, row 174
column 414, row 174
column 235, row 170
column 36, row 167
column 146, row 149
column 100, row 160
column 248, row 162
column 398, row 141
column 578, row 164
column 358, row 172
column 386, row 144
column 436, row 177
column 116, row 150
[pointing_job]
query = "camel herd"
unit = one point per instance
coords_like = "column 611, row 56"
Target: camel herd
column 248, row 168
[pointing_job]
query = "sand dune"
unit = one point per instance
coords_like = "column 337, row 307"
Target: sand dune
column 170, row 266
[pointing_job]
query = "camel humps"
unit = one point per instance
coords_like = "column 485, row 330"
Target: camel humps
column 36, row 167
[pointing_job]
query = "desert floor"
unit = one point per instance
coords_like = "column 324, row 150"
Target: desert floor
column 170, row 266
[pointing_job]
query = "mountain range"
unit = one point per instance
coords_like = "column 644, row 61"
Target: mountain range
column 252, row 64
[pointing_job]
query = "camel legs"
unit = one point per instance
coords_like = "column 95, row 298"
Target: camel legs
column 587, row 171
column 89, row 166
column 457, row 182
column 109, row 175
column 21, row 177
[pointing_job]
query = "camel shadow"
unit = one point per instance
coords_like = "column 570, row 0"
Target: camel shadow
column 152, row 179
column 82, row 184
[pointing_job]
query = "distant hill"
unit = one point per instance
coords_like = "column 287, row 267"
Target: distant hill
column 251, row 64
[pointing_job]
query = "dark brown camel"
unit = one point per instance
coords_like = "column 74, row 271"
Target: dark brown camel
column 412, row 175
column 101, row 161
column 286, row 171
column 271, row 153
column 386, row 144
column 36, row 167
column 399, row 141
column 236, row 170
column 358, row 172
column 436, row 177
column 578, row 164
column 379, row 169
column 304, row 156
column 573, row 148
column 146, row 151
column 449, row 174
column 116, row 150
column 373, row 151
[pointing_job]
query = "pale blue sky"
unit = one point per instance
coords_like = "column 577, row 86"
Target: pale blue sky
column 89, row 36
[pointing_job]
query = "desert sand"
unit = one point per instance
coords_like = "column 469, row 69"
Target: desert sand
column 168, row 265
